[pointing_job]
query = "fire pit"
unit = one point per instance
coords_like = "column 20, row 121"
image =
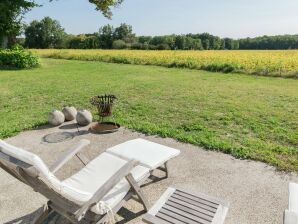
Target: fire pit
column 104, row 106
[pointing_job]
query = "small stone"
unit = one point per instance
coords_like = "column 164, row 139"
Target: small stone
column 70, row 113
column 84, row 117
column 56, row 117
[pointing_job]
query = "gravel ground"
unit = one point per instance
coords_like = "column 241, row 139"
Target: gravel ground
column 257, row 192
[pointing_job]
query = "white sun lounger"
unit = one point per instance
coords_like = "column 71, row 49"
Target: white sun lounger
column 291, row 214
column 102, row 186
column 147, row 153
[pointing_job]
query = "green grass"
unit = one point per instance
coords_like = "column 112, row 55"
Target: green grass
column 246, row 116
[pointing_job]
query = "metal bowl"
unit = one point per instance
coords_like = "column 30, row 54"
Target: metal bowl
column 104, row 127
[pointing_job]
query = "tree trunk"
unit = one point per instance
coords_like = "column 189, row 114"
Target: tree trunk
column 4, row 42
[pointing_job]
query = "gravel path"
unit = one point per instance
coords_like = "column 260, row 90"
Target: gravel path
column 257, row 193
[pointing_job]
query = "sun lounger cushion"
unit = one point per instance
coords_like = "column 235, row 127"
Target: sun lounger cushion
column 33, row 160
column 44, row 173
column 95, row 174
column 149, row 154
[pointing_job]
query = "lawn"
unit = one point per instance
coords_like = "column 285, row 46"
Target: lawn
column 246, row 116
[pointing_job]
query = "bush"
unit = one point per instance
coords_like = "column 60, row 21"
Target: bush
column 17, row 58
column 136, row 46
column 119, row 44
column 163, row 47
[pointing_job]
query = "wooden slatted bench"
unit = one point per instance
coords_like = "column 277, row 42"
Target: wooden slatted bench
column 178, row 206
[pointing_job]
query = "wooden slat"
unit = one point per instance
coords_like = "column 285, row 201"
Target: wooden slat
column 190, row 211
column 134, row 185
column 188, row 208
column 179, row 198
column 83, row 158
column 220, row 215
column 206, row 197
column 209, row 200
column 161, row 201
column 200, row 200
column 147, row 218
column 168, row 219
column 66, row 156
column 194, row 208
column 197, row 219
column 179, row 217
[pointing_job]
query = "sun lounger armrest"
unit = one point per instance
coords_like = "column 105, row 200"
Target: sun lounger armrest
column 104, row 189
column 68, row 155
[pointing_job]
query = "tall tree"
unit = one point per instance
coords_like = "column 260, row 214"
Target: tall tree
column 124, row 32
column 11, row 14
column 180, row 42
column 106, row 36
column 47, row 33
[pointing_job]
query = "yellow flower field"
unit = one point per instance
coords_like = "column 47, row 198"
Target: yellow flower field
column 282, row 63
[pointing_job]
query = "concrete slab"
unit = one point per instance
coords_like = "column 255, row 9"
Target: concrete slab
column 257, row 193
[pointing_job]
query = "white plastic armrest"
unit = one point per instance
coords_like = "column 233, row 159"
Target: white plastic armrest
column 68, row 155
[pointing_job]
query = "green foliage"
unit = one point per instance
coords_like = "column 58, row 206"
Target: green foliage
column 124, row 32
column 46, row 33
column 106, row 36
column 12, row 12
column 119, row 44
column 82, row 42
column 49, row 34
column 17, row 58
column 246, row 116
column 270, row 42
column 11, row 16
column 105, row 6
column 139, row 46
column 231, row 44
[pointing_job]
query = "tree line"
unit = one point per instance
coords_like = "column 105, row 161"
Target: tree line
column 48, row 33
column 12, row 13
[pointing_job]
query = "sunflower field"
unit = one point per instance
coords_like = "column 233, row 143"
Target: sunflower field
column 281, row 63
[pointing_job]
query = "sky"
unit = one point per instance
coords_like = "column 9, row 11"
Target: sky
column 224, row 18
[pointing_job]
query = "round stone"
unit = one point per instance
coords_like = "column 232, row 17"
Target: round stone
column 70, row 113
column 84, row 117
column 56, row 117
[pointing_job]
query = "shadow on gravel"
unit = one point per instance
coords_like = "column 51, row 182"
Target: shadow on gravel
column 69, row 126
column 55, row 218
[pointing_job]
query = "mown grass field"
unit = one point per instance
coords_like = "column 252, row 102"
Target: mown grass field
column 281, row 63
column 246, row 116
